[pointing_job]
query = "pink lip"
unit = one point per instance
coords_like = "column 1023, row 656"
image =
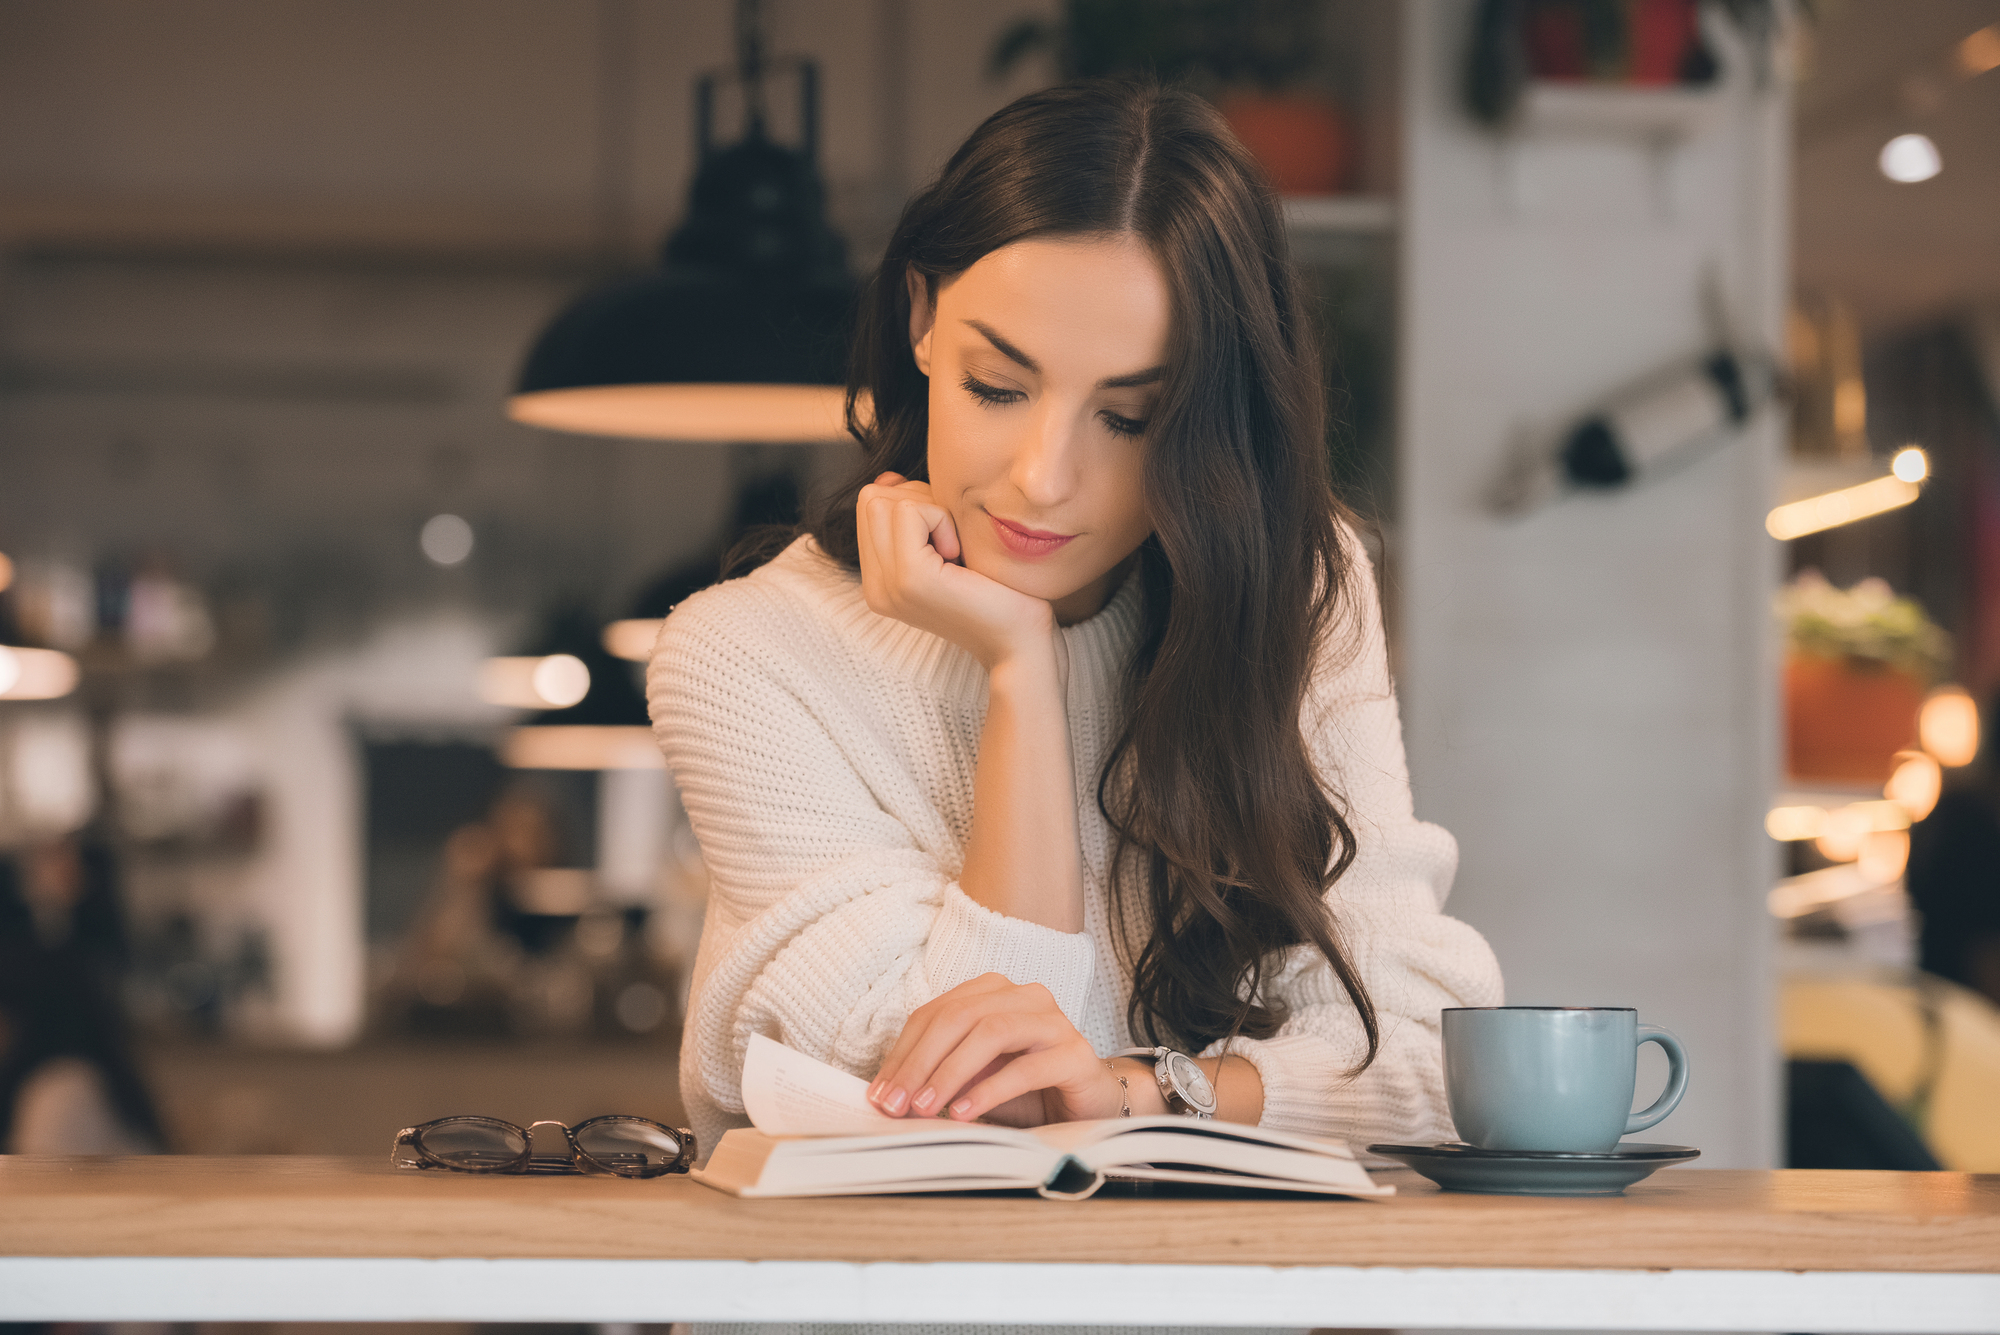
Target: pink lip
column 1028, row 543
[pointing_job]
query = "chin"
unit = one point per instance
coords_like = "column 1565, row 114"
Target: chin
column 1036, row 579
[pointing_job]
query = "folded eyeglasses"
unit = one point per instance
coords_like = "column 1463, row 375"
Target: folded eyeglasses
column 615, row 1144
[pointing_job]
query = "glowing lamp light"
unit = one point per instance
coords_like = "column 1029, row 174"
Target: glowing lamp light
column 1848, row 830
column 1792, row 824
column 446, row 539
column 1911, row 464
column 557, row 681
column 1915, row 784
column 632, row 639
column 1835, row 508
column 1980, row 52
column 1909, row 158
column 1884, row 856
column 771, row 414
column 35, row 674
column 6, row 572
column 1948, row 727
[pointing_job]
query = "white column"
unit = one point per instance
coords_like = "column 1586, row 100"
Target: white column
column 1589, row 690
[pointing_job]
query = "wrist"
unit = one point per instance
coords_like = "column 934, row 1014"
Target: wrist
column 1142, row 1089
column 1030, row 671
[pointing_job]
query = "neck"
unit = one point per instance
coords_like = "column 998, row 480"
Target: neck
column 1089, row 600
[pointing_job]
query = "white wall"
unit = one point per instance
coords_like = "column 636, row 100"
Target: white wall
column 1590, row 690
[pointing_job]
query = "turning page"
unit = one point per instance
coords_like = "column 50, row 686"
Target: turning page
column 787, row 1093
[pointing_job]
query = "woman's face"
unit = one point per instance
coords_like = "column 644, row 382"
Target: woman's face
column 1044, row 359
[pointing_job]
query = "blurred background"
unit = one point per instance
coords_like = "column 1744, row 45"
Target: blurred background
column 375, row 375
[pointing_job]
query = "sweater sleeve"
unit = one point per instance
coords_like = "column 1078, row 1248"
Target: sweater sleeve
column 834, row 909
column 1413, row 960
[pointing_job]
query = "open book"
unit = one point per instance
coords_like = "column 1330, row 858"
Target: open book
column 817, row 1135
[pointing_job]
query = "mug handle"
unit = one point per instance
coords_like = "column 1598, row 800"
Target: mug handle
column 1677, row 1079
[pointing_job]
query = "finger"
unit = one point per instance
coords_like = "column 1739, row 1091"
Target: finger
column 901, row 1073
column 888, row 1075
column 915, row 557
column 992, row 1039
column 944, row 536
column 1024, row 1075
column 997, row 1020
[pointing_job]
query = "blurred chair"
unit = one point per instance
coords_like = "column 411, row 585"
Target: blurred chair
column 1928, row 1050
column 68, row 1080
column 1835, row 1119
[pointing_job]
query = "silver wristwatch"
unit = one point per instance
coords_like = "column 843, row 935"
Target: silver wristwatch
column 1183, row 1084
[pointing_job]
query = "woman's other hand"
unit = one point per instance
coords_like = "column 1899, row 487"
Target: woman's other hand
column 909, row 549
column 996, row 1050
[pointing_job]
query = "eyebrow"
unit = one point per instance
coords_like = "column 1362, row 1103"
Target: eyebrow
column 1152, row 375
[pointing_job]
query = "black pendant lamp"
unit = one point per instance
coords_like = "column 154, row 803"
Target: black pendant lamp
column 741, row 334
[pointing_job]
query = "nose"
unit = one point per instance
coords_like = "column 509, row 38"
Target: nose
column 1047, row 460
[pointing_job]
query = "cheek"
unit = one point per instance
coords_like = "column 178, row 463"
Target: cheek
column 963, row 443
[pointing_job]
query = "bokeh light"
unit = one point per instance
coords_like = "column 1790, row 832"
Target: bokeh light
column 447, row 540
column 1915, row 784
column 1948, row 727
column 1909, row 158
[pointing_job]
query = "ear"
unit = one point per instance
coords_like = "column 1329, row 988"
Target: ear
column 923, row 318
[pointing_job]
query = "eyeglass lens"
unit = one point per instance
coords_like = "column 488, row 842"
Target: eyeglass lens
column 470, row 1142
column 627, row 1144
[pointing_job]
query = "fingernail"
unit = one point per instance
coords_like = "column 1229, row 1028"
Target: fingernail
column 924, row 1099
column 874, row 1091
column 897, row 1098
column 961, row 1108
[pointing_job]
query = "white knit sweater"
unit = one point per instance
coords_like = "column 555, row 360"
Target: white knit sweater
column 825, row 755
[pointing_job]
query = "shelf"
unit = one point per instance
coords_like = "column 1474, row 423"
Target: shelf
column 1660, row 115
column 1368, row 215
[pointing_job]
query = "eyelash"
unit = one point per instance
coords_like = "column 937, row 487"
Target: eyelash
column 993, row 395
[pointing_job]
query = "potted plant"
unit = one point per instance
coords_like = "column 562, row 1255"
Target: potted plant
column 1857, row 664
column 1253, row 58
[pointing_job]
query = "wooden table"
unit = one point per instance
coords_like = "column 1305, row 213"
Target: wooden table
column 296, row 1238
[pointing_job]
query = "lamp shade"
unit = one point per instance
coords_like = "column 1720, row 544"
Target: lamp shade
column 740, row 335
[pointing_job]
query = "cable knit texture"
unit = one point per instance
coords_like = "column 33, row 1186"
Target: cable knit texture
column 826, row 754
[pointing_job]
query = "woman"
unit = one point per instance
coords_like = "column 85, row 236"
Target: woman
column 1068, row 727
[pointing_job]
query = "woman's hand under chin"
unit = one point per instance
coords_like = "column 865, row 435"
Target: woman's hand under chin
column 909, row 571
column 999, row 1051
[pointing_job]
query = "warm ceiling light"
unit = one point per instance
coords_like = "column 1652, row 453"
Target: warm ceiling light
column 740, row 334
column 1848, row 829
column 632, row 639
column 1915, row 785
column 770, row 414
column 1909, row 158
column 1790, row 824
column 1839, row 507
column 1884, row 856
column 1979, row 52
column 1948, row 727
column 35, row 674
column 1911, row 464
column 561, row 746
column 556, row 681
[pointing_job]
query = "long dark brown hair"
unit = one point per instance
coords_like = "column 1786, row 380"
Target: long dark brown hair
column 1210, row 784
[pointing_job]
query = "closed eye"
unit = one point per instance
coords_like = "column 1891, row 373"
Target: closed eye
column 989, row 394
column 1121, row 425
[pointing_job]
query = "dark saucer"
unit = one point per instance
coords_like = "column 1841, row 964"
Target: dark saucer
column 1457, row 1167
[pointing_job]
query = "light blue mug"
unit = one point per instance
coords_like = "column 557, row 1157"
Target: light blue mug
column 1552, row 1077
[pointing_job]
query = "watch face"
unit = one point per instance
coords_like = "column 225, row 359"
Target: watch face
column 1190, row 1080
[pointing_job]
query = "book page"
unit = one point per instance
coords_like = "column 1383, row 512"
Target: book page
column 787, row 1093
